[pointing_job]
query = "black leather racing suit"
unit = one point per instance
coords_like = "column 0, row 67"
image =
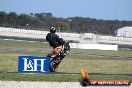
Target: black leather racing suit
column 54, row 40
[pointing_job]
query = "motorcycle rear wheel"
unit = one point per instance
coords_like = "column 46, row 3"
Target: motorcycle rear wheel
column 53, row 66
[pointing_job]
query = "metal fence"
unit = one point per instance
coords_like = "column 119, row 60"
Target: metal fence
column 67, row 36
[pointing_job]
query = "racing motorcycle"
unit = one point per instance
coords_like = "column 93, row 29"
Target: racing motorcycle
column 55, row 61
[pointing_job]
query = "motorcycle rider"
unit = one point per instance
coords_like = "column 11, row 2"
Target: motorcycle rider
column 55, row 42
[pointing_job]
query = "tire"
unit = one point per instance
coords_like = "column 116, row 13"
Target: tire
column 85, row 81
column 53, row 67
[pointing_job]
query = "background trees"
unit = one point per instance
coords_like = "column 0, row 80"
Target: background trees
column 62, row 26
column 43, row 21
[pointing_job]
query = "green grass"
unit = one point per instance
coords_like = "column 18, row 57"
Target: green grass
column 17, row 44
column 96, row 65
column 54, row 77
column 70, row 64
column 38, row 77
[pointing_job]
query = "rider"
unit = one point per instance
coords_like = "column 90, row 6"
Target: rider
column 54, row 41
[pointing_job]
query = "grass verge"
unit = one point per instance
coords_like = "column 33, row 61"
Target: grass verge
column 70, row 64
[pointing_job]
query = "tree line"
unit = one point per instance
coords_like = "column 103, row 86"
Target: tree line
column 43, row 21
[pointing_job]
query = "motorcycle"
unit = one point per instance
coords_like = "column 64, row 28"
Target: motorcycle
column 55, row 61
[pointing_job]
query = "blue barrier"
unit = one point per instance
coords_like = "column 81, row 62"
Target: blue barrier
column 33, row 64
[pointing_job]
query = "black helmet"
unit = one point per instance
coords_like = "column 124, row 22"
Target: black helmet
column 52, row 29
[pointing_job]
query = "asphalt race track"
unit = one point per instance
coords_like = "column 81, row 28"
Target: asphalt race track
column 41, row 51
column 67, row 73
